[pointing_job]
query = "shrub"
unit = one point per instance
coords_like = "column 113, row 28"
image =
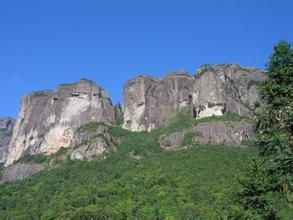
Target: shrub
column 37, row 158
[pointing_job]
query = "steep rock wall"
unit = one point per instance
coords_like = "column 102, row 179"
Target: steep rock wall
column 214, row 90
column 48, row 120
column 225, row 88
column 149, row 102
column 6, row 127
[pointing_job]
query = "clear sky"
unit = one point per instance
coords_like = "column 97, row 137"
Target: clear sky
column 47, row 42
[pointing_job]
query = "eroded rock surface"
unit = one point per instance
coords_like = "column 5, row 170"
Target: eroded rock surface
column 229, row 133
column 214, row 90
column 20, row 171
column 226, row 88
column 149, row 102
column 6, row 127
column 224, row 132
column 92, row 140
column 48, row 119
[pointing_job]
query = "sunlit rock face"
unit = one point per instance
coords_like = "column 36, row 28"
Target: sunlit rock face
column 149, row 103
column 48, row 119
column 214, row 90
column 6, row 127
column 227, row 88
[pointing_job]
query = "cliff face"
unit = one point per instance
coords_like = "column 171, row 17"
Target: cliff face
column 20, row 171
column 229, row 133
column 215, row 90
column 47, row 120
column 149, row 102
column 6, row 127
column 91, row 140
column 225, row 88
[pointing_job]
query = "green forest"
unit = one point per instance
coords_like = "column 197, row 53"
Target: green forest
column 201, row 182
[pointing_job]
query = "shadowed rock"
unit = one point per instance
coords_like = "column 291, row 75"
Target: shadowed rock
column 6, row 127
column 149, row 103
column 92, row 140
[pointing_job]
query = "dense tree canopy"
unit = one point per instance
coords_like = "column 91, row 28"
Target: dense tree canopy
column 272, row 176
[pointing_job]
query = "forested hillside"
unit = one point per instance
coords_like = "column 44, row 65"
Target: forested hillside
column 139, row 180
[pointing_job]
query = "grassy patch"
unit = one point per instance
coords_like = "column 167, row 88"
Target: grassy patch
column 90, row 127
column 41, row 93
column 225, row 117
column 189, row 138
column 1, row 170
column 37, row 158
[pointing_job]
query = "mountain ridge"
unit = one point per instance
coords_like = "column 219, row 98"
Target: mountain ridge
column 48, row 119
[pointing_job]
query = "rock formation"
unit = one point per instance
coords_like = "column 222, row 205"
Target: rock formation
column 20, row 171
column 214, row 90
column 92, row 140
column 149, row 102
column 6, row 127
column 48, row 119
column 229, row 133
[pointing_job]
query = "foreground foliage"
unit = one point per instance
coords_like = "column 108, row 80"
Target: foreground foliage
column 198, row 182
column 138, row 181
column 271, row 176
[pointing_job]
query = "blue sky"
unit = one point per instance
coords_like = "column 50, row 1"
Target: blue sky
column 45, row 43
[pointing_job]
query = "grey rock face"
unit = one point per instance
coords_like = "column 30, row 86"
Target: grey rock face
column 229, row 133
column 172, row 141
column 225, row 88
column 6, row 127
column 149, row 103
column 215, row 90
column 92, row 142
column 20, row 171
column 48, row 119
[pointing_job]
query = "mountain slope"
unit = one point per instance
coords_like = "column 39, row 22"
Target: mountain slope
column 139, row 180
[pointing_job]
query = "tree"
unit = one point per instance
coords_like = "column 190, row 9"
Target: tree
column 274, row 123
column 274, row 128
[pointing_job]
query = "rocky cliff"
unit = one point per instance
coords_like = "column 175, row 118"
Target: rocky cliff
column 6, row 127
column 48, row 119
column 229, row 133
column 214, row 90
column 20, row 171
column 92, row 140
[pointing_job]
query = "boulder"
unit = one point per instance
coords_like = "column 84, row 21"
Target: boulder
column 229, row 133
column 20, row 171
